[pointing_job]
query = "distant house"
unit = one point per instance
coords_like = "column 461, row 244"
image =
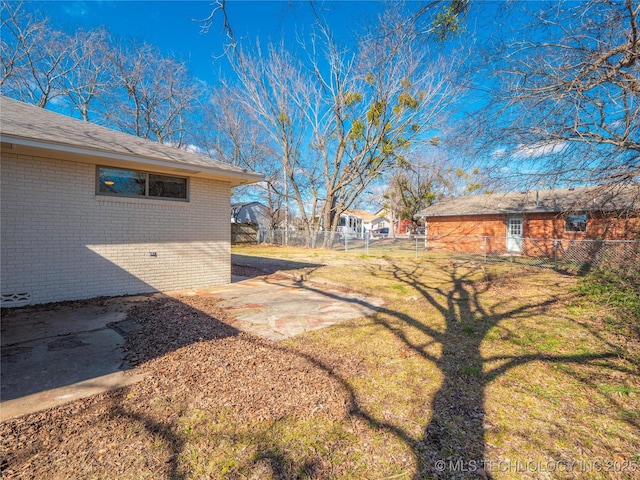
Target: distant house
column 361, row 221
column 604, row 213
column 379, row 220
column 87, row 211
column 402, row 227
column 254, row 213
column 350, row 222
column 250, row 222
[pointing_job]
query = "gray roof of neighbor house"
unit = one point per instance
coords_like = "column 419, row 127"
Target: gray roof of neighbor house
column 236, row 208
column 250, row 212
column 27, row 129
column 602, row 198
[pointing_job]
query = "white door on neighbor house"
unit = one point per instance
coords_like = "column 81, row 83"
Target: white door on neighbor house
column 514, row 234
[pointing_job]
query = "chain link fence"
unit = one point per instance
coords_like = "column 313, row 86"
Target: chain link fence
column 560, row 254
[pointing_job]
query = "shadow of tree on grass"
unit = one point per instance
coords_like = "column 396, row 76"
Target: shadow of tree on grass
column 450, row 337
column 454, row 438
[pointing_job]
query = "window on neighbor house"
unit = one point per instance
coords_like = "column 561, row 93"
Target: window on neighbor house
column 575, row 223
column 133, row 183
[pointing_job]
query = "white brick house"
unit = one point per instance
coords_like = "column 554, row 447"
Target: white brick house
column 87, row 211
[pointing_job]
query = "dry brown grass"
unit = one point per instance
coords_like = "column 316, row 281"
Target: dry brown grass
column 495, row 367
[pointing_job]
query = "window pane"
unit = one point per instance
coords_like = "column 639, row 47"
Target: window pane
column 515, row 226
column 575, row 223
column 121, row 182
column 168, row 187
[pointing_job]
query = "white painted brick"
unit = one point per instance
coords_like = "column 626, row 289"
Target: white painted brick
column 62, row 242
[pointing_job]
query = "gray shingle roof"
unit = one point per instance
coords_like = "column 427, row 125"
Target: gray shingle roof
column 611, row 198
column 21, row 121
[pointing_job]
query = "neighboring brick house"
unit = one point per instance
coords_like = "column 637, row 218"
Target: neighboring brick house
column 528, row 222
column 87, row 211
column 402, row 227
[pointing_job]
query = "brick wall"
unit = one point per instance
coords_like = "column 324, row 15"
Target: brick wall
column 537, row 225
column 600, row 226
column 61, row 241
column 450, row 231
column 485, row 225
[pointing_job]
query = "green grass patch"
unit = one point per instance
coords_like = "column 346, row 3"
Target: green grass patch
column 460, row 362
column 613, row 298
column 472, row 371
column 616, row 290
column 618, row 389
column 468, row 329
column 399, row 288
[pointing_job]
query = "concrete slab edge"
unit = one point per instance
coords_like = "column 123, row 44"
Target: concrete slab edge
column 38, row 402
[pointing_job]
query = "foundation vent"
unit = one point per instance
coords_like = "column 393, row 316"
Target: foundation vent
column 15, row 299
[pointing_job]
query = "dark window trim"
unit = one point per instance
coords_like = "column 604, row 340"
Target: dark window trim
column 146, row 195
column 565, row 219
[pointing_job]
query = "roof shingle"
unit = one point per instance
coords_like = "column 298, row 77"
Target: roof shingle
column 609, row 198
column 19, row 120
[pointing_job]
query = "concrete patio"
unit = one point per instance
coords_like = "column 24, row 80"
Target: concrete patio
column 53, row 354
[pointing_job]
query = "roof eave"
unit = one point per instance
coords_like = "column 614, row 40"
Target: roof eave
column 95, row 156
column 466, row 214
column 515, row 212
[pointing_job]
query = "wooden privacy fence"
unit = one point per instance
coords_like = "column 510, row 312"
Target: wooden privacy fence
column 243, row 233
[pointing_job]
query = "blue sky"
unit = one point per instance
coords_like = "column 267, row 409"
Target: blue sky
column 173, row 25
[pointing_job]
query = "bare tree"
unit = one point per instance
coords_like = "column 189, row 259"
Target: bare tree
column 132, row 87
column 382, row 103
column 41, row 64
column 152, row 95
column 345, row 116
column 408, row 193
column 230, row 134
column 35, row 58
column 87, row 83
column 425, row 180
column 20, row 34
column 274, row 91
column 568, row 105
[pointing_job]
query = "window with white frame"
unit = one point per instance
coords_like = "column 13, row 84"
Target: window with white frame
column 514, row 227
column 575, row 223
column 134, row 183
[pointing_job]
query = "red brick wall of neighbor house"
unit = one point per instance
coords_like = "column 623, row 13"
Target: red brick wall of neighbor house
column 600, row 226
column 611, row 228
column 466, row 233
column 402, row 227
column 483, row 225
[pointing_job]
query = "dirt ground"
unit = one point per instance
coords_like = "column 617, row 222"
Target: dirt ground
column 193, row 360
column 464, row 362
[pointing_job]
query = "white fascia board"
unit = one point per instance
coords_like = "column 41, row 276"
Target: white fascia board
column 95, row 156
